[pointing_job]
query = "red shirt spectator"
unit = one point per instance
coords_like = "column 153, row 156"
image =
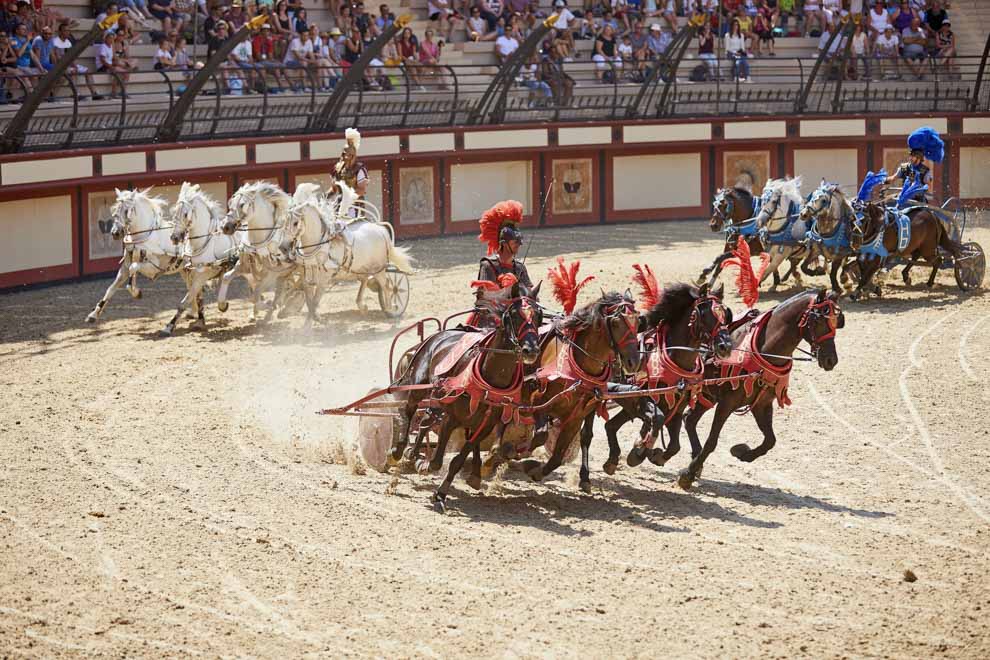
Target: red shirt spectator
column 263, row 46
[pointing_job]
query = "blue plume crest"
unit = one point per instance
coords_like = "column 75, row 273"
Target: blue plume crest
column 869, row 183
column 927, row 139
column 910, row 190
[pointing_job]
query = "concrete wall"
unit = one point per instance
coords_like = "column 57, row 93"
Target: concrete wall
column 54, row 208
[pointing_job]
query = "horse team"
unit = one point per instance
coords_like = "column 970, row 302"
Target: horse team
column 297, row 246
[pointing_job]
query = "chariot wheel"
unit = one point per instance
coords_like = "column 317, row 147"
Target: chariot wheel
column 970, row 267
column 394, row 297
column 375, row 437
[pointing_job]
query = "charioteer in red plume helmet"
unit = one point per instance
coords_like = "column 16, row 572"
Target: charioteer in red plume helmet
column 348, row 168
column 500, row 231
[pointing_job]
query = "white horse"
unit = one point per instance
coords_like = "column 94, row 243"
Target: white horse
column 207, row 253
column 138, row 219
column 779, row 195
column 257, row 213
column 333, row 247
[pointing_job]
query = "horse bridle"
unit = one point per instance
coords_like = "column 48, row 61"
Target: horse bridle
column 527, row 310
column 622, row 310
column 694, row 321
column 127, row 224
column 720, row 197
column 826, row 309
column 274, row 228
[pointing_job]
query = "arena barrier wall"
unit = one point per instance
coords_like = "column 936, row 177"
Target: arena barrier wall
column 54, row 206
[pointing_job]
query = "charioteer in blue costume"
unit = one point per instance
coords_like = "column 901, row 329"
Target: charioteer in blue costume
column 923, row 143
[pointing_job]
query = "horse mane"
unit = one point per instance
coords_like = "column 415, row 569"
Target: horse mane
column 747, row 195
column 157, row 202
column 790, row 189
column 591, row 313
column 270, row 191
column 305, row 191
column 190, row 191
column 676, row 301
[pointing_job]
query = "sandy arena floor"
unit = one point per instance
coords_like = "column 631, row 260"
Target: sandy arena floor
column 179, row 497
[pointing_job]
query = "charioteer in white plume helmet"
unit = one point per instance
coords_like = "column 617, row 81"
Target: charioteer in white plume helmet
column 348, row 168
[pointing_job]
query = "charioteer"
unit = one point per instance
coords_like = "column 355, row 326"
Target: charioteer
column 923, row 143
column 500, row 231
column 348, row 168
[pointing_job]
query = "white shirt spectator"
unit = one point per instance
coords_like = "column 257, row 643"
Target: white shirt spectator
column 879, row 22
column 437, row 7
column 61, row 44
column 734, row 43
column 887, row 45
column 242, row 51
column 477, row 24
column 625, row 51
column 859, row 44
column 506, row 45
column 298, row 51
column 564, row 18
column 104, row 56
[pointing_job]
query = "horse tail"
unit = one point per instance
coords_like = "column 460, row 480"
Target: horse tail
column 400, row 257
column 945, row 241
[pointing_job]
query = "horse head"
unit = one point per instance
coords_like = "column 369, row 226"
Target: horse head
column 697, row 313
column 818, row 325
column 824, row 207
column 778, row 197
column 722, row 207
column 609, row 325
column 519, row 318
column 135, row 212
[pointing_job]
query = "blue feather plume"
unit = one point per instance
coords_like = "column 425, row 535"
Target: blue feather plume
column 869, row 183
column 927, row 139
column 910, row 190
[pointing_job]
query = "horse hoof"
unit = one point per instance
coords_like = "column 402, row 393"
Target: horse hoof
column 610, row 468
column 740, row 451
column 165, row 332
column 474, row 481
column 536, row 474
column 137, row 295
column 657, row 458
column 198, row 325
column 223, row 306
column 91, row 318
column 423, row 466
column 438, row 503
column 636, row 456
column 585, row 487
column 685, row 480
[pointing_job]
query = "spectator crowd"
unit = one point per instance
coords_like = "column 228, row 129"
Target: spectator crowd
column 892, row 39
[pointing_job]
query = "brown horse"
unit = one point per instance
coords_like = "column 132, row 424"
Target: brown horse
column 477, row 380
column 575, row 368
column 684, row 324
column 928, row 234
column 733, row 206
column 762, row 355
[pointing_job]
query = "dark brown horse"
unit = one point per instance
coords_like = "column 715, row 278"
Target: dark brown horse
column 762, row 355
column 683, row 325
column 928, row 234
column 575, row 369
column 733, row 206
column 475, row 389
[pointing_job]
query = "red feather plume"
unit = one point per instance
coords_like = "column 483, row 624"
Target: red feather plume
column 747, row 280
column 492, row 220
column 505, row 280
column 565, row 284
column 649, row 290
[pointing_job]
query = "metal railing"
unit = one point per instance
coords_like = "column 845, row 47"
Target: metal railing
column 260, row 102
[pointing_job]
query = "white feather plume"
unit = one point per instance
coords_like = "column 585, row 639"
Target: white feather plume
column 353, row 137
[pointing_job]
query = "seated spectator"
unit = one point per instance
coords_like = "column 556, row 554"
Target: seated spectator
column 878, row 19
column 390, row 53
column 825, row 41
column 814, row 20
column 745, row 25
column 735, row 51
column 934, row 18
column 300, row 22
column 264, row 52
column 566, row 20
column 441, row 13
column 164, row 57
column 914, row 42
column 885, row 52
column 122, row 50
column 409, row 52
column 362, row 20
column 138, row 10
column 282, row 25
column 105, row 56
column 182, row 60
column 505, row 46
column 625, row 50
column 606, row 56
column 832, row 11
column 530, row 76
column 164, row 11
column 429, row 58
column 8, row 64
column 478, row 27
column 562, row 45
column 20, row 45
column 49, row 16
column 299, row 55
column 640, row 50
column 762, row 34
column 210, row 24
column 786, row 9
column 666, row 10
column 659, row 40
column 859, row 51
column 219, row 36
column 945, row 48
column 902, row 17
column 385, row 18
column 240, row 66
column 8, row 19
column 63, row 41
column 706, row 50
column 236, row 18
column 619, row 10
column 42, row 48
